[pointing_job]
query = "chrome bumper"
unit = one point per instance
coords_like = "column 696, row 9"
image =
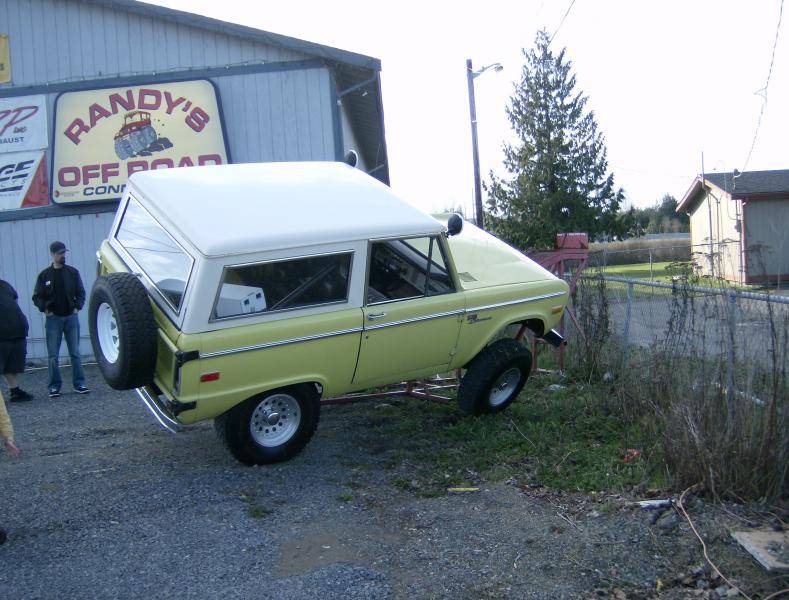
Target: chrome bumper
column 159, row 409
column 554, row 338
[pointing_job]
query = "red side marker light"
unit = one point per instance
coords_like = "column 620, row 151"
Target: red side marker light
column 209, row 376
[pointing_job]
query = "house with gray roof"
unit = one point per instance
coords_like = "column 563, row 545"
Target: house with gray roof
column 739, row 225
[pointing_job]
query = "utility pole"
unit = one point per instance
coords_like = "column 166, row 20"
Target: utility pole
column 472, row 108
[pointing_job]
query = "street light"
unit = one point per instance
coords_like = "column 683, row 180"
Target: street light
column 471, row 74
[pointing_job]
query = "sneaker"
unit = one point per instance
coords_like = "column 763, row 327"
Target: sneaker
column 54, row 392
column 19, row 395
column 83, row 389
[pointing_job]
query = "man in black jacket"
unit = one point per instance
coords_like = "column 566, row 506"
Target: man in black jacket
column 60, row 295
column 13, row 341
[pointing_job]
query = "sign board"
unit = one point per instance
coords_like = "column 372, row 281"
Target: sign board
column 103, row 136
column 23, row 123
column 5, row 59
column 21, row 177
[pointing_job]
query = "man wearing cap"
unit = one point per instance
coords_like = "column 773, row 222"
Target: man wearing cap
column 60, row 295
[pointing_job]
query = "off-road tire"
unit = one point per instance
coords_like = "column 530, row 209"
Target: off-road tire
column 135, row 363
column 493, row 362
column 233, row 428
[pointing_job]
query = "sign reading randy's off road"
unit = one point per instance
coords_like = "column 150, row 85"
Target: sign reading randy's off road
column 103, row 136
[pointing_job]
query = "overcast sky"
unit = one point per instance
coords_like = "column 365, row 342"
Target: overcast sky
column 667, row 80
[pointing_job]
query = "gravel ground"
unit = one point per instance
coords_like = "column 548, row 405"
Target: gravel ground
column 104, row 504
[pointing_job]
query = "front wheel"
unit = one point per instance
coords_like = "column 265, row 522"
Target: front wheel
column 494, row 378
column 271, row 427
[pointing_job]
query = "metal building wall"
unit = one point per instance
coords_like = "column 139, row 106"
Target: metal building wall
column 56, row 40
column 278, row 116
column 24, row 252
column 767, row 243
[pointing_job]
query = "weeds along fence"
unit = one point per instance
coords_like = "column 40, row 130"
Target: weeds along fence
column 704, row 369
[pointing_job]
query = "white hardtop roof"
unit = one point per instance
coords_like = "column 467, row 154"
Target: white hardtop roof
column 243, row 208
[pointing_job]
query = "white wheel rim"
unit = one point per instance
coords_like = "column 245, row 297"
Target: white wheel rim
column 275, row 420
column 107, row 329
column 504, row 386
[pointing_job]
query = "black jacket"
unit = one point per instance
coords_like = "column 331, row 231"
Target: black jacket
column 44, row 294
column 13, row 323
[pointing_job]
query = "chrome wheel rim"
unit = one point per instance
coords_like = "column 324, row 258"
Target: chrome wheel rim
column 107, row 329
column 504, row 386
column 275, row 420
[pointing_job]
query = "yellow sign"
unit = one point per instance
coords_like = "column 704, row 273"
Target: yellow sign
column 104, row 136
column 5, row 59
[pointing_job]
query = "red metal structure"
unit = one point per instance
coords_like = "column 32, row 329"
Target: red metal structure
column 570, row 254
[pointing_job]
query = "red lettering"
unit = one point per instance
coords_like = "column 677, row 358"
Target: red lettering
column 154, row 103
column 117, row 100
column 135, row 165
column 18, row 115
column 96, row 112
column 162, row 163
column 209, row 159
column 76, row 129
column 109, row 170
column 197, row 119
column 68, row 176
column 186, row 162
column 89, row 172
column 171, row 104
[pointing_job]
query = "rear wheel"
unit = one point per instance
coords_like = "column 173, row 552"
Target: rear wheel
column 270, row 427
column 494, row 378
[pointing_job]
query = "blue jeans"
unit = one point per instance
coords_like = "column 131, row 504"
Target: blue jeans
column 56, row 328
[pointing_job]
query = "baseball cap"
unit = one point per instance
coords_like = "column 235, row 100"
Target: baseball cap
column 56, row 247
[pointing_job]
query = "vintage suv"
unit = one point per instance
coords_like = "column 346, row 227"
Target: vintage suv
column 246, row 293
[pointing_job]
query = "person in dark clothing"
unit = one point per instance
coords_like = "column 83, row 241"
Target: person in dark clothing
column 60, row 295
column 13, row 341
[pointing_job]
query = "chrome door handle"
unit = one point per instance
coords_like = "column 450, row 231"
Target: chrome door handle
column 374, row 316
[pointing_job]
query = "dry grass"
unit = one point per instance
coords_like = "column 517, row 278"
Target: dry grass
column 712, row 400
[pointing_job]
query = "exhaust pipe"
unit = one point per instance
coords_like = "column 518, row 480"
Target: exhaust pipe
column 554, row 339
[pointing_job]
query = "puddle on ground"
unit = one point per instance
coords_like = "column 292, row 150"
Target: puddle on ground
column 304, row 554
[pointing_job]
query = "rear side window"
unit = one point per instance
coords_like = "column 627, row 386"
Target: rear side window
column 283, row 285
column 159, row 256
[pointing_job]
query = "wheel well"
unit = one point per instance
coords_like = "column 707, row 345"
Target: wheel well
column 536, row 326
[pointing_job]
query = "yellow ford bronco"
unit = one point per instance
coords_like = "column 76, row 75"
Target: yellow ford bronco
column 247, row 293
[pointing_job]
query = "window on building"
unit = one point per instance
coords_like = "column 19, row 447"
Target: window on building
column 283, row 285
column 409, row 268
column 159, row 256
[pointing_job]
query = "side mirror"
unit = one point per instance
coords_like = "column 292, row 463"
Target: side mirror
column 351, row 158
column 455, row 224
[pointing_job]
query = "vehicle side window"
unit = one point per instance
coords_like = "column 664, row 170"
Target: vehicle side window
column 165, row 263
column 409, row 268
column 283, row 285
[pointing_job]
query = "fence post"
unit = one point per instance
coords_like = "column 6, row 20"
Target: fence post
column 732, row 315
column 651, row 274
column 626, row 332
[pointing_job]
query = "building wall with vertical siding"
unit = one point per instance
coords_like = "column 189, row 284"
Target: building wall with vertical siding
column 766, row 238
column 24, row 252
column 726, row 258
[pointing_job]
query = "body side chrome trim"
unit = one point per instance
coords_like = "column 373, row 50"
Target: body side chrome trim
column 266, row 345
column 513, row 302
column 449, row 313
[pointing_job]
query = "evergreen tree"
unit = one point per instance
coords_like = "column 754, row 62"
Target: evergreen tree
column 559, row 168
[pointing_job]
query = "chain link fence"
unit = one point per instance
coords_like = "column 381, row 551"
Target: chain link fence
column 705, row 367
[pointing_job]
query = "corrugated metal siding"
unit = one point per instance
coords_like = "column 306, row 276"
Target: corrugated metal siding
column 768, row 244
column 56, row 40
column 278, row 116
column 24, row 252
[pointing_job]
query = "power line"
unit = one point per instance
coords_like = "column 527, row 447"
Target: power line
column 763, row 92
column 569, row 8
